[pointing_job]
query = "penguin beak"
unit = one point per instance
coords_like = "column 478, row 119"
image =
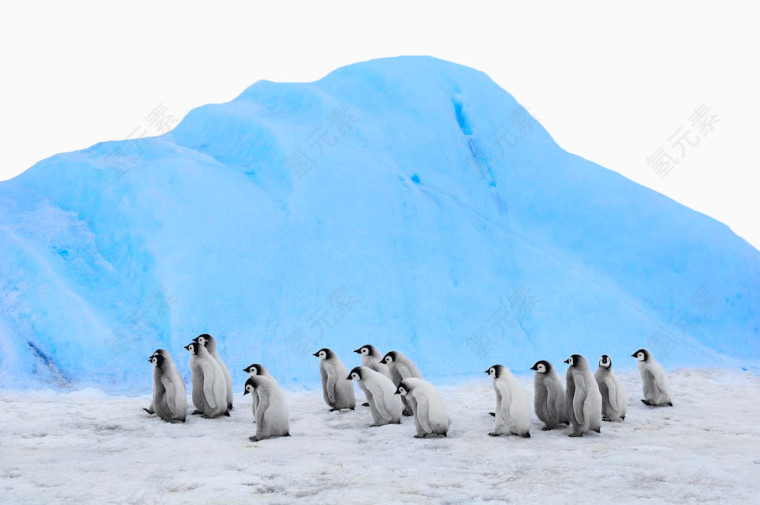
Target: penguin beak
column 633, row 355
column 316, row 354
column 486, row 372
column 246, row 391
column 348, row 378
column 187, row 347
column 533, row 367
column 358, row 351
column 567, row 361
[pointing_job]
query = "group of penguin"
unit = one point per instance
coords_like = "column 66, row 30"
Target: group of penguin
column 394, row 387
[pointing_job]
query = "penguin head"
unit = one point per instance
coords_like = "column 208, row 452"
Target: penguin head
column 365, row 350
column 495, row 371
column 355, row 374
column 575, row 360
column 542, row 366
column 206, row 341
column 158, row 358
column 402, row 389
column 641, row 355
column 254, row 369
column 193, row 347
column 250, row 386
column 324, row 353
column 605, row 361
column 389, row 357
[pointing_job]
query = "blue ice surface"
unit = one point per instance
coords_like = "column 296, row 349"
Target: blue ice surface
column 406, row 202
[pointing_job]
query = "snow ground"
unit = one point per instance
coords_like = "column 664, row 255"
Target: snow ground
column 88, row 447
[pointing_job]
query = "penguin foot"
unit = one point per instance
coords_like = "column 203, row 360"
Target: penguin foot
column 254, row 439
column 669, row 404
column 575, row 434
column 365, row 404
column 148, row 411
column 227, row 413
column 525, row 435
column 546, row 428
column 647, row 402
column 229, row 406
column 196, row 413
column 445, row 434
column 607, row 419
column 598, row 430
column 334, row 409
column 492, row 414
column 419, row 436
column 622, row 418
column 406, row 413
column 494, row 434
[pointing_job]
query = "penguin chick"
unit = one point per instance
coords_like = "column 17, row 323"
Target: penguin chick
column 209, row 388
column 169, row 395
column 583, row 400
column 512, row 408
column 209, row 343
column 654, row 382
column 401, row 367
column 337, row 392
column 548, row 396
column 272, row 414
column 430, row 417
column 613, row 393
column 372, row 358
column 253, row 371
column 380, row 391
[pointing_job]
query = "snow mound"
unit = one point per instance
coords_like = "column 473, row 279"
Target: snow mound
column 406, row 202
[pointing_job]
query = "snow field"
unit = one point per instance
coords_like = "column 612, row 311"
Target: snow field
column 89, row 447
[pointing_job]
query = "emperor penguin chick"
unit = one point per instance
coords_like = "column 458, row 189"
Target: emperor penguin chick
column 209, row 343
column 169, row 395
column 401, row 368
column 430, row 417
column 272, row 414
column 613, row 394
column 583, row 400
column 337, row 392
column 380, row 391
column 372, row 358
column 512, row 408
column 653, row 380
column 209, row 388
column 549, row 396
column 253, row 371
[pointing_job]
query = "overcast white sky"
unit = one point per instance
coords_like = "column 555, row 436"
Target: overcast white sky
column 610, row 83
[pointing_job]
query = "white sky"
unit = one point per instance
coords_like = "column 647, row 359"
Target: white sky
column 610, row 83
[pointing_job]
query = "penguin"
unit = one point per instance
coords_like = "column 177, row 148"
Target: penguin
column 209, row 343
column 337, row 392
column 169, row 394
column 209, row 388
column 371, row 358
column 583, row 401
column 401, row 368
column 613, row 393
column 512, row 408
column 253, row 371
column 380, row 391
column 654, row 381
column 549, row 396
column 272, row 415
column 430, row 417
